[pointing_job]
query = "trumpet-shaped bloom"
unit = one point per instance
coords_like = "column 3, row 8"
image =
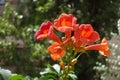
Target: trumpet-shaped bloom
column 46, row 31
column 77, row 38
column 86, row 34
column 103, row 47
column 78, row 46
column 66, row 23
column 43, row 30
column 67, row 43
column 56, row 52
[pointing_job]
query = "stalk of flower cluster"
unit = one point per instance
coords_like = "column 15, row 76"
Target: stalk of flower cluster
column 70, row 66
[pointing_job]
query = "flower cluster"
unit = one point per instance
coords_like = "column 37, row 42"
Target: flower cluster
column 78, row 38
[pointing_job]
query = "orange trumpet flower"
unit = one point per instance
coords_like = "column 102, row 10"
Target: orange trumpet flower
column 46, row 31
column 56, row 52
column 66, row 23
column 103, row 47
column 86, row 34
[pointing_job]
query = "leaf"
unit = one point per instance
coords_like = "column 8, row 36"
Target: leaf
column 17, row 77
column 48, row 77
column 47, row 70
column 43, row 78
column 73, row 76
column 5, row 73
column 56, row 68
column 36, row 78
column 28, row 78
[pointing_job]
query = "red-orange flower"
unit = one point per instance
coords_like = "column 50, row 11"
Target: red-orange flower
column 79, row 46
column 56, row 52
column 86, row 34
column 103, row 47
column 46, row 31
column 66, row 23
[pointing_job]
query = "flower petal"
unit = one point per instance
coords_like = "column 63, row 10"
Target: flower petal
column 43, row 30
column 51, row 35
column 56, row 51
column 103, row 47
column 46, row 31
column 65, row 23
column 86, row 34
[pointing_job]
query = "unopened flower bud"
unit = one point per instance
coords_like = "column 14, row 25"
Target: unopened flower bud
column 73, row 62
column 62, row 64
column 68, row 67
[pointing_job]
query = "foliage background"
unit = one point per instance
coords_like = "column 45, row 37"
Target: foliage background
column 22, row 54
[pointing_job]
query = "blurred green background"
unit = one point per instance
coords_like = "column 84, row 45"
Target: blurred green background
column 22, row 54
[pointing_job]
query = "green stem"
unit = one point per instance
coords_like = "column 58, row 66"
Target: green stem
column 66, row 69
column 68, row 59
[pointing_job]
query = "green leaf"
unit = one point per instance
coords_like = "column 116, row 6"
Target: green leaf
column 43, row 78
column 47, row 70
column 17, row 77
column 48, row 77
column 73, row 76
column 36, row 78
column 28, row 78
column 5, row 73
column 56, row 68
